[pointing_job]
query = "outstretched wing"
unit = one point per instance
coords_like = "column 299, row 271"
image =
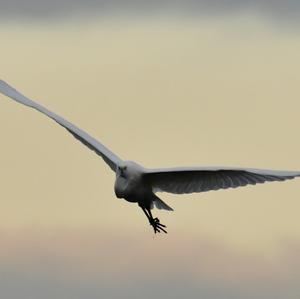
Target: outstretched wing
column 201, row 179
column 110, row 158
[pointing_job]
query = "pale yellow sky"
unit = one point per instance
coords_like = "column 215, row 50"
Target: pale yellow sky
column 161, row 93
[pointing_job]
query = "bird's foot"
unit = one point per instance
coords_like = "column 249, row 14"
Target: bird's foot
column 157, row 226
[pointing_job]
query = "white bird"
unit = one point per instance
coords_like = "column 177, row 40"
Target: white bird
column 137, row 184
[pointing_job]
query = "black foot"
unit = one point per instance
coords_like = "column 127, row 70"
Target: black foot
column 157, row 226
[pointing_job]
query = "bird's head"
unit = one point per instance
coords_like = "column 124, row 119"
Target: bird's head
column 129, row 169
column 122, row 170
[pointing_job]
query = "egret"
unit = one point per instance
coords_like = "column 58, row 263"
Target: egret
column 138, row 184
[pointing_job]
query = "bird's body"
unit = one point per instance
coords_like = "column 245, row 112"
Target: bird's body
column 129, row 182
column 137, row 184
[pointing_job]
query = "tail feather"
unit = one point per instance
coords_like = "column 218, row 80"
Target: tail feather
column 159, row 204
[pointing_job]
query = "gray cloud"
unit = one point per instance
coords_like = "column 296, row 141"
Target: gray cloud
column 288, row 9
column 87, row 265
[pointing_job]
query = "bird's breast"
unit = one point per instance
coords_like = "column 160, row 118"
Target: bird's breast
column 128, row 188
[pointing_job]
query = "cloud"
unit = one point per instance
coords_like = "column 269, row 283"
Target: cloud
column 88, row 264
column 288, row 9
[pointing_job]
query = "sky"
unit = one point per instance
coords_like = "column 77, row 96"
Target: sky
column 171, row 83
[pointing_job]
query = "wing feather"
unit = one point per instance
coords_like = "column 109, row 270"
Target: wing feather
column 202, row 179
column 109, row 157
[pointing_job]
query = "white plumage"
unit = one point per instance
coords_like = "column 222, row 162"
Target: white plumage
column 137, row 184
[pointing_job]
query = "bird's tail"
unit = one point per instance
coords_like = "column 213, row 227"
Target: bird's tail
column 161, row 205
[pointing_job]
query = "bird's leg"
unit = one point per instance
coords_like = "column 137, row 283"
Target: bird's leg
column 157, row 226
column 151, row 220
column 146, row 213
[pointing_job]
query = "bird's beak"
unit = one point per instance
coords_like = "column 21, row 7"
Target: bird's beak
column 121, row 172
